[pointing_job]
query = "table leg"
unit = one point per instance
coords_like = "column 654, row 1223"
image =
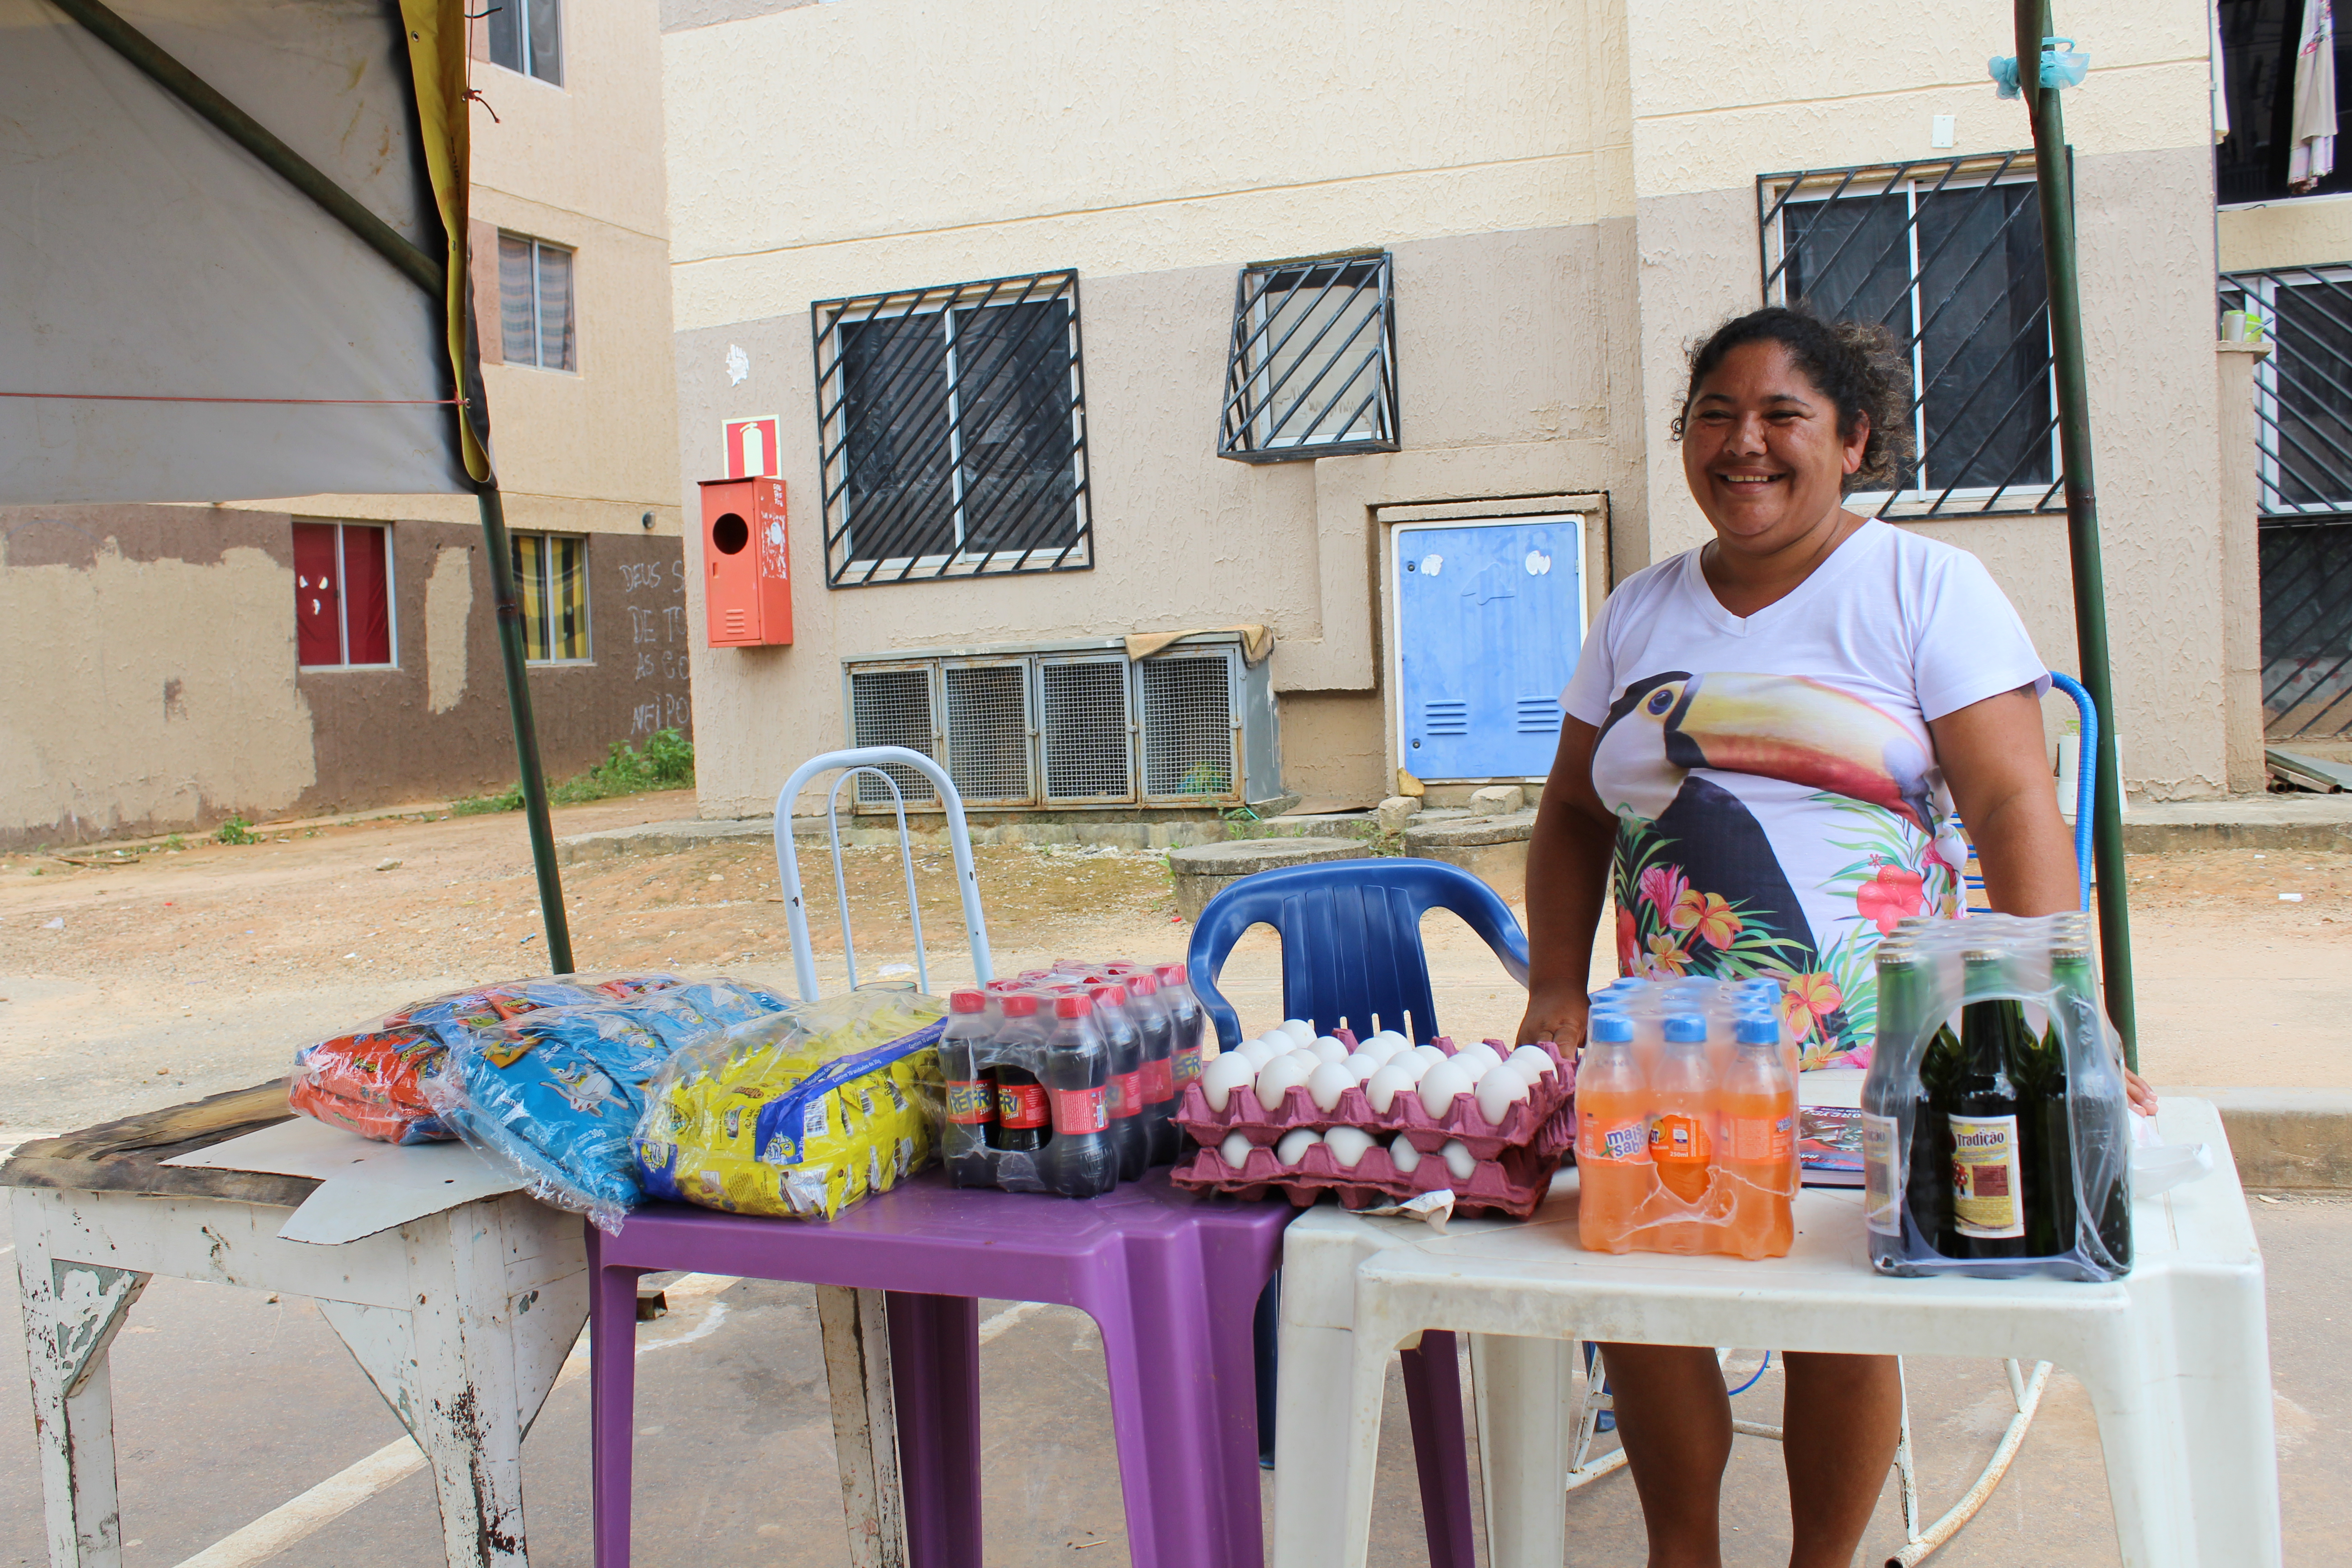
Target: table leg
column 71, row 1313
column 465, row 1408
column 1433, row 1402
column 1323, row 1471
column 612, row 1402
column 1525, row 1389
column 935, row 1377
column 854, row 1328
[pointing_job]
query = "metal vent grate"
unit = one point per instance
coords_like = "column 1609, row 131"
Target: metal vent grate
column 1188, row 725
column 1313, row 366
column 987, row 731
column 1085, row 729
column 1445, row 718
column 2307, row 567
column 893, row 708
column 1539, row 715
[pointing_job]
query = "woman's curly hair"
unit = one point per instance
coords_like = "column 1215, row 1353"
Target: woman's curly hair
column 1859, row 366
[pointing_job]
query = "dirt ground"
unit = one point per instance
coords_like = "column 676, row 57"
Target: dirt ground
column 124, row 987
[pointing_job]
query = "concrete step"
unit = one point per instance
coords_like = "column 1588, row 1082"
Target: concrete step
column 1205, row 871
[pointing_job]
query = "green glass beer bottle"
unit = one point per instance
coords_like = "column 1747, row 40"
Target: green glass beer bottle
column 2099, row 1109
column 1987, row 1121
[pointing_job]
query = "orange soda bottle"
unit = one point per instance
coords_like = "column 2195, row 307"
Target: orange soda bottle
column 1758, row 1147
column 1612, row 1136
column 1682, row 1124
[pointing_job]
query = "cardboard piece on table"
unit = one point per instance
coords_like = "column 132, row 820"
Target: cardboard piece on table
column 366, row 1187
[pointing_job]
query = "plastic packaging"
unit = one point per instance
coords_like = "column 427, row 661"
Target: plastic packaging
column 1996, row 1130
column 799, row 1115
column 556, row 1094
column 1687, row 1113
column 369, row 1079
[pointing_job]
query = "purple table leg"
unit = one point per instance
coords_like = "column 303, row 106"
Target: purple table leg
column 935, row 1380
column 1433, row 1400
column 611, row 1400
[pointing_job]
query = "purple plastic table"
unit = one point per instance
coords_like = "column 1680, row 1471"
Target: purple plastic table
column 1170, row 1278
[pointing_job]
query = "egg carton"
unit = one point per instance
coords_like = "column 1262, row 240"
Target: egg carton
column 1512, row 1183
column 1484, row 1139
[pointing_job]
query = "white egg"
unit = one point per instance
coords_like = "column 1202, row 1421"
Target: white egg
column 1415, row 1063
column 1383, row 1088
column 1403, row 1155
column 1393, row 1041
column 1300, row 1030
column 1327, row 1083
column 1438, row 1087
column 1258, row 1053
column 1329, row 1049
column 1222, row 1076
column 1274, row 1079
column 1347, row 1145
column 1529, row 1060
column 1295, row 1144
column 1473, row 1066
column 1501, row 1089
column 1362, row 1065
column 1234, row 1150
column 1479, row 1051
column 1458, row 1159
column 1428, row 1053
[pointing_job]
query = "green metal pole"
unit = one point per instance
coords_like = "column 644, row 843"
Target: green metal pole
column 526, row 732
column 2055, row 184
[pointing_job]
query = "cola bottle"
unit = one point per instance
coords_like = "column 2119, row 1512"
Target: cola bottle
column 1164, row 1137
column 971, row 1094
column 1184, row 1013
column 1125, row 1045
column 1082, row 1162
column 1022, row 1116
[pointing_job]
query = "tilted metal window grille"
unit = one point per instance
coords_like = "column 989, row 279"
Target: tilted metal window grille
column 2302, row 387
column 1948, row 254
column 1312, row 372
column 952, row 432
column 2307, row 567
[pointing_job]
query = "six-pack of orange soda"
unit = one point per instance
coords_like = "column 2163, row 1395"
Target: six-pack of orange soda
column 1686, row 1119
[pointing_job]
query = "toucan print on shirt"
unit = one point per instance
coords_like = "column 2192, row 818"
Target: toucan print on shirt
column 1779, row 805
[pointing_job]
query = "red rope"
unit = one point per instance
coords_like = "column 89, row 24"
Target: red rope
column 340, row 402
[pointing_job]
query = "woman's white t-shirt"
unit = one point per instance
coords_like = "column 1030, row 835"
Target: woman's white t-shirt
column 1778, row 798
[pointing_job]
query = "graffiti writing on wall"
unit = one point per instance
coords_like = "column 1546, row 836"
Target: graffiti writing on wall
column 657, row 636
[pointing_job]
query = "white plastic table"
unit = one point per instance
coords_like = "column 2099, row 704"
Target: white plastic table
column 2176, row 1356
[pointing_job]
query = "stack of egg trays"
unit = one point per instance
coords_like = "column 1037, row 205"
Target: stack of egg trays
column 1516, row 1160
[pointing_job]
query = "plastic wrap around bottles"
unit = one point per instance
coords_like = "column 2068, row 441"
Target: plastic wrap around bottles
column 1996, row 1127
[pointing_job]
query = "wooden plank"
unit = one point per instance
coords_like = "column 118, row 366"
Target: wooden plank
column 126, row 1155
column 855, row 1333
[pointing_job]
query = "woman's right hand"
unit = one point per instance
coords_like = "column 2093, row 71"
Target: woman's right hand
column 1556, row 1013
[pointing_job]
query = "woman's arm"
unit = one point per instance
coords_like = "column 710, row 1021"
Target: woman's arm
column 1568, row 883
column 1991, row 755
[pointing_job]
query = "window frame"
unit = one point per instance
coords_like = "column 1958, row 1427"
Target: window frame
column 538, row 298
column 1968, row 172
column 546, row 599
column 343, row 601
column 526, row 50
column 1243, row 433
column 2262, row 287
column 1070, row 552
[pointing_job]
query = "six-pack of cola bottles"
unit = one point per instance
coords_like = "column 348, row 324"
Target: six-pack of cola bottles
column 1996, row 1127
column 1066, row 1080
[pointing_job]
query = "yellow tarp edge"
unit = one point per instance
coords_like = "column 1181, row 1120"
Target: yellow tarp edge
column 438, row 64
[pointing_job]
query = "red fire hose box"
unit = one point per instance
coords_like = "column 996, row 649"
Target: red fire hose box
column 747, row 588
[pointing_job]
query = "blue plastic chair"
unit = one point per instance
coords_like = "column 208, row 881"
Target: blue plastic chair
column 2086, row 778
column 1351, row 955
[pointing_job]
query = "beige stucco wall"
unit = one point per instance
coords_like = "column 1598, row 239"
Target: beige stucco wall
column 2306, row 231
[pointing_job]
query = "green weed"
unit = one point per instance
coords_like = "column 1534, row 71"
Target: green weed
column 236, row 830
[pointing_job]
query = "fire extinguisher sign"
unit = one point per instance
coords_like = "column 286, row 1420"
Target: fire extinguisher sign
column 751, row 448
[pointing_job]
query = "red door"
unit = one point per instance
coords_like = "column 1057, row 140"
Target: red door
column 318, row 595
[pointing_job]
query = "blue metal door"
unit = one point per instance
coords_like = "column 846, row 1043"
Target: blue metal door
column 1489, row 619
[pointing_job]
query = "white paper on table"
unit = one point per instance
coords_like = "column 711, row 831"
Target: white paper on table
column 365, row 1187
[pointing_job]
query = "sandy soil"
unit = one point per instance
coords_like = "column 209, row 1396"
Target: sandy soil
column 189, row 971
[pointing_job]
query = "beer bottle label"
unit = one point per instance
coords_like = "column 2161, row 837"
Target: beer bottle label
column 1882, row 1181
column 1159, row 1080
column 1188, row 1064
column 1127, row 1094
column 1680, row 1140
column 1760, row 1140
column 1988, row 1181
column 1615, row 1140
column 968, row 1101
column 1021, row 1106
column 1081, row 1109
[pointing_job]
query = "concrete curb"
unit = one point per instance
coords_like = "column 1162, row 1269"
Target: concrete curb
column 670, row 838
column 2268, row 821
column 2285, row 1139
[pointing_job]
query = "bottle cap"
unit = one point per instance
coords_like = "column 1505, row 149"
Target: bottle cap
column 1756, row 1030
column 1019, row 1005
column 1108, row 996
column 1141, row 985
column 1003, row 985
column 1072, row 1008
column 1609, row 1028
column 2070, row 955
column 1684, row 1029
column 1034, row 976
column 1169, row 974
column 1891, row 956
column 967, row 1001
column 1626, row 983
column 1977, row 956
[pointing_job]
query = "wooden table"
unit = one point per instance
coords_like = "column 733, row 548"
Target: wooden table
column 461, row 1309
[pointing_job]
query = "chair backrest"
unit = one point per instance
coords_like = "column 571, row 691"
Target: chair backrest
column 1350, row 941
column 2087, row 776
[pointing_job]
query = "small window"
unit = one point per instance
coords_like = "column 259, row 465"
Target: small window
column 535, row 302
column 552, row 582
column 1948, row 254
column 343, row 594
column 1313, row 368
column 527, row 36
column 2302, row 387
column 951, row 425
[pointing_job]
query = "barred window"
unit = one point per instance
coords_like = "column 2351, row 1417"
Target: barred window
column 1948, row 254
column 1312, row 372
column 951, row 428
column 2302, row 387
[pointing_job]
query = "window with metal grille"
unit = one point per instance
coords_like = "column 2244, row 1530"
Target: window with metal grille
column 1948, row 254
column 343, row 594
column 2302, row 387
column 1085, row 737
column 527, row 36
column 535, row 325
column 1312, row 372
column 2254, row 161
column 988, row 731
column 552, row 582
column 1188, row 725
column 2307, row 567
column 892, row 707
column 951, row 429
